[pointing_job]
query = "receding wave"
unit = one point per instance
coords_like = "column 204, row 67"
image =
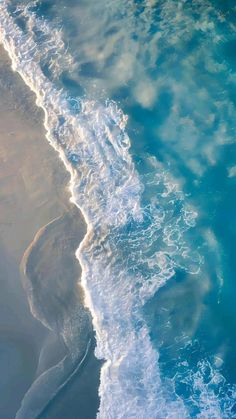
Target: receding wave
column 137, row 228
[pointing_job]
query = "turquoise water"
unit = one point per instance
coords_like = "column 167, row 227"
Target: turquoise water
column 139, row 98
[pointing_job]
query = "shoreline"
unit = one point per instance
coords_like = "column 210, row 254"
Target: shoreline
column 50, row 214
column 40, row 102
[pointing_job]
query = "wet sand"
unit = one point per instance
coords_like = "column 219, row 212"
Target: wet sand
column 39, row 232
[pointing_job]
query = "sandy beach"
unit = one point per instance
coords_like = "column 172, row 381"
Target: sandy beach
column 39, row 233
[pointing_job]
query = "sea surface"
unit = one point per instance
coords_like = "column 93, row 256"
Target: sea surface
column 139, row 100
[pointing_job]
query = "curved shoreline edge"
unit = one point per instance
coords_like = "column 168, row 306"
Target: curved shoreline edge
column 24, row 264
column 80, row 343
column 61, row 155
column 69, row 169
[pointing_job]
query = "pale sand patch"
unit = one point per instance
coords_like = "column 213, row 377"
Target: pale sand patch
column 33, row 179
column 33, row 192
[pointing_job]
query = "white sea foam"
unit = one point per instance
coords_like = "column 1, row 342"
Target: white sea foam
column 204, row 382
column 135, row 238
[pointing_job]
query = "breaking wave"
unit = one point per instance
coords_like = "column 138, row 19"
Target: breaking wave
column 137, row 223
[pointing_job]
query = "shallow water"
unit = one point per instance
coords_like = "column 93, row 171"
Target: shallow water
column 156, row 187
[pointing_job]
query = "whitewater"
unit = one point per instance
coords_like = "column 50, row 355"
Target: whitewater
column 137, row 228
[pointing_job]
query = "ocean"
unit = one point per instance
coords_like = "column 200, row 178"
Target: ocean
column 139, row 102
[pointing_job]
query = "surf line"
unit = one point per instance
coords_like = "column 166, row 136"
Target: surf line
column 13, row 41
column 33, row 77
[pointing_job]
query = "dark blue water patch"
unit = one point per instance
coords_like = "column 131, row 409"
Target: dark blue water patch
column 90, row 69
column 192, row 44
column 71, row 85
column 42, row 7
column 228, row 53
column 166, row 51
column 111, row 31
column 46, row 71
column 138, row 8
column 61, row 119
column 171, row 313
column 226, row 7
column 233, row 410
column 21, row 23
column 122, row 96
column 232, row 93
column 73, row 158
column 11, row 7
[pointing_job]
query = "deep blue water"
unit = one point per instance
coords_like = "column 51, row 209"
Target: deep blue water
column 170, row 66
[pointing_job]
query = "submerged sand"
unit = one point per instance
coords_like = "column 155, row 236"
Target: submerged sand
column 39, row 233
